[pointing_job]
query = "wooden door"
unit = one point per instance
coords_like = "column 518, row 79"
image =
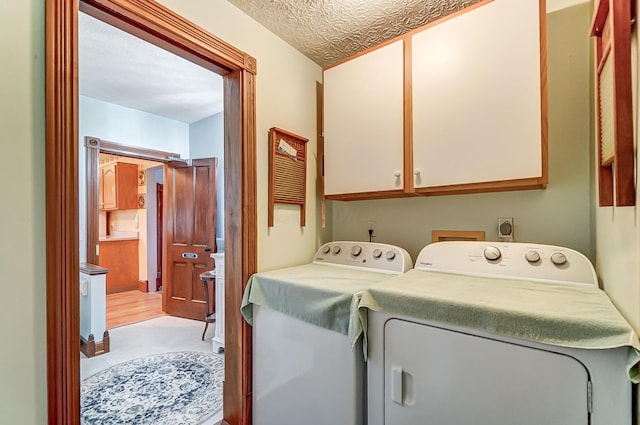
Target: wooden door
column 190, row 235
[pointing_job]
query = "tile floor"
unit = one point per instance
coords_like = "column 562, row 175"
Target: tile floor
column 159, row 335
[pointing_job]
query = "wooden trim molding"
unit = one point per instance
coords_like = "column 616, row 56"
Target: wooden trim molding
column 407, row 105
column 611, row 28
column 457, row 235
column 63, row 269
column 160, row 26
column 383, row 194
column 114, row 148
column 92, row 348
column 93, row 193
column 542, row 182
column 485, row 187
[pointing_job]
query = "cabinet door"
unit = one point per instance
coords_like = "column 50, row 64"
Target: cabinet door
column 476, row 86
column 363, row 123
column 118, row 186
column 126, row 186
column 108, row 197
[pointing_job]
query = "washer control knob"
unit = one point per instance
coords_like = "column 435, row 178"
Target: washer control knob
column 558, row 258
column 492, row 253
column 532, row 256
column 391, row 255
column 326, row 249
column 377, row 253
column 356, row 250
column 336, row 250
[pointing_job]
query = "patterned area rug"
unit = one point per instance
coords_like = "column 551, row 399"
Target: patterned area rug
column 183, row 388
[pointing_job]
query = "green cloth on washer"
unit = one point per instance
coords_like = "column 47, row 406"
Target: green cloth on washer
column 315, row 293
column 562, row 315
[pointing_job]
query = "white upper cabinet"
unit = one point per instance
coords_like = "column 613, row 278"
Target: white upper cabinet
column 457, row 106
column 477, row 96
column 363, row 116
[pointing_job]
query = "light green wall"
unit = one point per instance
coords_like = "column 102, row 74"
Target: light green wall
column 286, row 98
column 558, row 215
column 618, row 248
column 22, row 229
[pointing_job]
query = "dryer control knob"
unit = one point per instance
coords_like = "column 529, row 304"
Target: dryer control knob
column 377, row 253
column 492, row 253
column 558, row 258
column 336, row 250
column 356, row 250
column 391, row 255
column 326, row 249
column 532, row 256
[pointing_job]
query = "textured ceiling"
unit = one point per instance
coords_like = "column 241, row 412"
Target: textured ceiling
column 328, row 31
column 119, row 68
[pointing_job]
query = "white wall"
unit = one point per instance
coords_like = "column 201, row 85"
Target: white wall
column 558, row 215
column 618, row 248
column 286, row 98
column 22, row 214
column 154, row 175
column 206, row 140
column 126, row 126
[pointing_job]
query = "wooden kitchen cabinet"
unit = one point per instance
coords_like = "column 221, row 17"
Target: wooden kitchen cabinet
column 473, row 108
column 118, row 186
column 120, row 257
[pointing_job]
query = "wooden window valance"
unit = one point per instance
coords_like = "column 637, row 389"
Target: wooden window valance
column 612, row 26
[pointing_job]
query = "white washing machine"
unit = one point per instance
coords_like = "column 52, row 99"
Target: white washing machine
column 308, row 366
column 497, row 334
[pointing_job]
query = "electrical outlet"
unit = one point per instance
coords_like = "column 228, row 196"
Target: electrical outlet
column 505, row 229
column 371, row 229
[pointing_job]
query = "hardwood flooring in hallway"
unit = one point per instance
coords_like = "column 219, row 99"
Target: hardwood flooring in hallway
column 128, row 307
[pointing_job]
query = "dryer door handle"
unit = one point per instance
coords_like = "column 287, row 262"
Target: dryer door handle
column 396, row 384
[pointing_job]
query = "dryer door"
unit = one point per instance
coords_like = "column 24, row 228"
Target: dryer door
column 435, row 376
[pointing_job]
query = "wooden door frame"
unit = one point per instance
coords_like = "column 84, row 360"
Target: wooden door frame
column 95, row 146
column 156, row 24
column 159, row 229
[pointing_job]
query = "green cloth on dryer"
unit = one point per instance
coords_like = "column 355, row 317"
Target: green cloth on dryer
column 318, row 294
column 562, row 315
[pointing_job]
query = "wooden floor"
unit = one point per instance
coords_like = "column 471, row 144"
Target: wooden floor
column 124, row 308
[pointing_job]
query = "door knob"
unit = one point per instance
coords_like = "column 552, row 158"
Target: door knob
column 207, row 248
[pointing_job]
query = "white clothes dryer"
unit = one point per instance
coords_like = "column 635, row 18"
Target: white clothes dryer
column 308, row 365
column 497, row 334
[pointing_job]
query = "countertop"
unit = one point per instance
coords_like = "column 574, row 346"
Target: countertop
column 119, row 236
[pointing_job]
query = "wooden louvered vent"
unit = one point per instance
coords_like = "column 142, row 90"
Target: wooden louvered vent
column 287, row 171
column 611, row 26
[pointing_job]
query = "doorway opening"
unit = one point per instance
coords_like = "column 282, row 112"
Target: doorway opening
column 160, row 26
column 130, row 239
